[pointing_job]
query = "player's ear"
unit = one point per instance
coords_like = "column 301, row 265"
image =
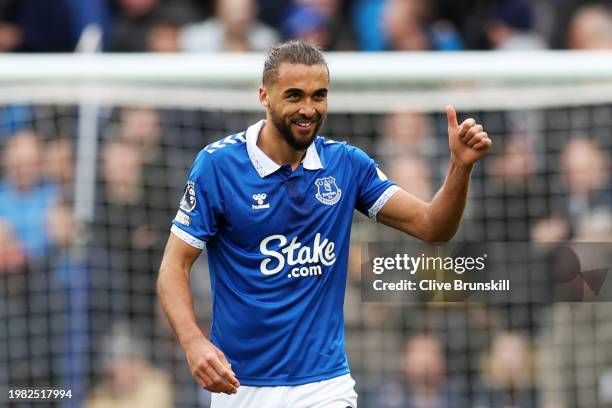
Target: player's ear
column 263, row 96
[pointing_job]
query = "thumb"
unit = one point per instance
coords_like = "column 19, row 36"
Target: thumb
column 451, row 115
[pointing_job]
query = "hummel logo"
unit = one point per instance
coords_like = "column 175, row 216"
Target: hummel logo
column 260, row 198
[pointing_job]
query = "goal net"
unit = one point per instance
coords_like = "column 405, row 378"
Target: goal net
column 95, row 154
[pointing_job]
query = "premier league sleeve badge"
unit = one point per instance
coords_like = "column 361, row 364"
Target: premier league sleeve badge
column 188, row 201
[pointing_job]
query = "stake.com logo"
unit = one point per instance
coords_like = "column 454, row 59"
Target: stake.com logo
column 295, row 253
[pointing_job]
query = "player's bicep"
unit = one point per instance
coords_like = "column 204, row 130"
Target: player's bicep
column 405, row 212
column 178, row 255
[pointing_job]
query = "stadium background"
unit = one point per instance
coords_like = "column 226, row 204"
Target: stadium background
column 77, row 302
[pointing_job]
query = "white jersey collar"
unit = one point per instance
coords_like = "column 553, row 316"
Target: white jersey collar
column 265, row 165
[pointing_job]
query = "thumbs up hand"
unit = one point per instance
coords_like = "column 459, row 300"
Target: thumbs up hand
column 467, row 141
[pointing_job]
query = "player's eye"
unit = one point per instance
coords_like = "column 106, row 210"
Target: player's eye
column 321, row 95
column 293, row 97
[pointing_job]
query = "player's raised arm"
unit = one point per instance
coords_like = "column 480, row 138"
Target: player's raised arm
column 439, row 220
column 208, row 364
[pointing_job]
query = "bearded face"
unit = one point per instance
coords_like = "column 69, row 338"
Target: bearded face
column 298, row 131
column 296, row 102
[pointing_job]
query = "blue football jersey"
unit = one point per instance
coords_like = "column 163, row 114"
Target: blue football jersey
column 278, row 246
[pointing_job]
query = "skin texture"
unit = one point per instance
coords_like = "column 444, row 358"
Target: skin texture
column 208, row 364
column 437, row 221
column 299, row 93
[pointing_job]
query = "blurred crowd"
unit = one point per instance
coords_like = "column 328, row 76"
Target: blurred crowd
column 77, row 300
column 335, row 25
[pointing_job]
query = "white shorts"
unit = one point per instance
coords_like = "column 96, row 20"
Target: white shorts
column 336, row 392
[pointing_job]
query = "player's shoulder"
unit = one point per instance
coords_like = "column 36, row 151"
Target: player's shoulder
column 221, row 155
column 227, row 146
column 222, row 149
column 329, row 146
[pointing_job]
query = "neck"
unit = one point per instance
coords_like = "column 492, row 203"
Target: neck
column 275, row 147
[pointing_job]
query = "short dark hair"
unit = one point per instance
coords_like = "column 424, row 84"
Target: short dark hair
column 292, row 52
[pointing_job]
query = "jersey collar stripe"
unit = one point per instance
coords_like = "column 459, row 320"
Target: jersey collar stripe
column 265, row 165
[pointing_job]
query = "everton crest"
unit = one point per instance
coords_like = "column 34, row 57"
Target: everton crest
column 188, row 202
column 327, row 191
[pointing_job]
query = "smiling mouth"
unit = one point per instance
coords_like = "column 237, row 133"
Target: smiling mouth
column 304, row 124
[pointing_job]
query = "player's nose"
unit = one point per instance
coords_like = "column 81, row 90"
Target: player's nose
column 308, row 110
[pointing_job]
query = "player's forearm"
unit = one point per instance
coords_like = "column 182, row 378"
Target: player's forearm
column 175, row 297
column 446, row 208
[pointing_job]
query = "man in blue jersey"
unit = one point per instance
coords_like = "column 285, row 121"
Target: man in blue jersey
column 273, row 205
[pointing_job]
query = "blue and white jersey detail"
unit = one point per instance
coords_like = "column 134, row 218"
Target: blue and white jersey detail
column 278, row 245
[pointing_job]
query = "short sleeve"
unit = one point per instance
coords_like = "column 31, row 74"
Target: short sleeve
column 201, row 205
column 374, row 189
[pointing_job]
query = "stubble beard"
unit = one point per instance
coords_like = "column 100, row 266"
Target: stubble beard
column 284, row 128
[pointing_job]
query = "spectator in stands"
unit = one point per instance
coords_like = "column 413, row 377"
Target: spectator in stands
column 25, row 196
column 409, row 25
column 59, row 164
column 517, row 162
column 233, row 28
column 413, row 175
column 596, row 227
column 575, row 346
column 507, row 198
column 30, row 349
column 404, row 25
column 129, row 31
column 133, row 208
column 585, row 174
column 131, row 381
column 510, row 27
column 406, row 148
column 10, row 35
column 591, row 28
column 423, row 383
column 575, row 357
column 367, row 20
column 406, row 132
column 15, row 117
column 149, row 25
column 26, row 202
column 508, row 374
column 122, row 172
column 318, row 22
column 61, row 226
column 69, row 273
column 120, row 218
column 37, row 26
column 164, row 30
column 273, row 12
column 141, row 127
column 12, row 253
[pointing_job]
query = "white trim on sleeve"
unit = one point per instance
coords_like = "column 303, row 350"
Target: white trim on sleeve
column 382, row 200
column 187, row 237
